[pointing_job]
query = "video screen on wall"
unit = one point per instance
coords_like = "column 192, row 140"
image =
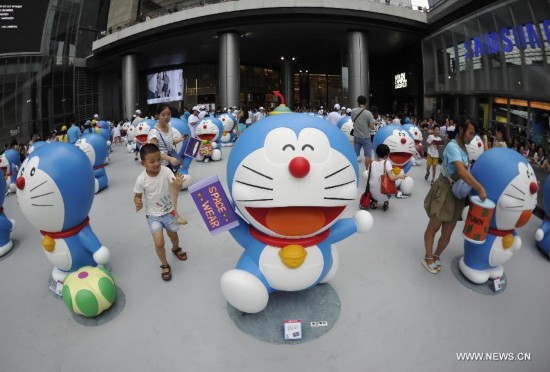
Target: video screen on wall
column 165, row 86
column 21, row 25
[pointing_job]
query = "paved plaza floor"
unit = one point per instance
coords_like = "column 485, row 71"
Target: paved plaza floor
column 394, row 316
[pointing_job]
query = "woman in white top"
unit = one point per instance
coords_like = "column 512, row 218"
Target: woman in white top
column 163, row 136
column 377, row 169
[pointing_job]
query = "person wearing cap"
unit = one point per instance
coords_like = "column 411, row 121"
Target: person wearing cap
column 138, row 119
column 363, row 123
column 348, row 111
column 193, row 120
column 259, row 115
column 334, row 116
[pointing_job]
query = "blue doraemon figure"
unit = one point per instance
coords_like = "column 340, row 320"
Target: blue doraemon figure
column 291, row 178
column 416, row 134
column 183, row 127
column 6, row 225
column 10, row 163
column 542, row 235
column 513, row 188
column 209, row 130
column 55, row 190
column 346, row 126
column 229, row 123
column 402, row 149
column 96, row 149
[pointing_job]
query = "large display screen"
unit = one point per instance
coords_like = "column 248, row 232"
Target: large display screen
column 22, row 25
column 165, row 86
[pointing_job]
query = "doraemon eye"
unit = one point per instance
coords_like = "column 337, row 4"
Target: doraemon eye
column 33, row 171
column 314, row 145
column 288, row 146
column 307, row 146
column 280, row 145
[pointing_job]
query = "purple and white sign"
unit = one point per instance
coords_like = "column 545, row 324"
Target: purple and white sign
column 193, row 147
column 213, row 204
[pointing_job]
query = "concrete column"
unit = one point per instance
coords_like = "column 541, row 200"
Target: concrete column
column 287, row 80
column 229, row 69
column 129, row 85
column 358, row 57
column 304, row 89
column 472, row 109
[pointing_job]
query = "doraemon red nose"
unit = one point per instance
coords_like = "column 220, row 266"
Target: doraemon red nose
column 403, row 141
column 20, row 183
column 533, row 188
column 299, row 167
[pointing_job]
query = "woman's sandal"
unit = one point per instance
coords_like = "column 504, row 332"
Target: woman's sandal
column 180, row 253
column 437, row 263
column 166, row 275
column 432, row 268
column 373, row 204
column 386, row 206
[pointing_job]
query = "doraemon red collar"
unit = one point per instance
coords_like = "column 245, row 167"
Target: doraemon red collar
column 67, row 233
column 500, row 233
column 282, row 242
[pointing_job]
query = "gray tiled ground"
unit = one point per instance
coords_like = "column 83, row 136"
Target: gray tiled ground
column 394, row 315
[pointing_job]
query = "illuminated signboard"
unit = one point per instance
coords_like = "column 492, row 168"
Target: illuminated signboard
column 400, row 81
column 21, row 25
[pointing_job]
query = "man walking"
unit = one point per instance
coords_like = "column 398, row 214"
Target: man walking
column 363, row 123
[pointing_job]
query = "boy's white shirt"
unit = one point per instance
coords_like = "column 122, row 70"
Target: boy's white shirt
column 377, row 170
column 156, row 198
column 432, row 149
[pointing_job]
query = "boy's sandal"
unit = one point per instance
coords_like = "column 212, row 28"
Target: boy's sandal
column 180, row 254
column 437, row 263
column 386, row 206
column 166, row 275
column 373, row 204
column 432, row 268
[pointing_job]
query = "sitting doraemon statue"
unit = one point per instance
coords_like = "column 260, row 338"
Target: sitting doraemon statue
column 513, row 188
column 6, row 225
column 346, row 126
column 291, row 178
column 542, row 235
column 96, row 149
column 475, row 149
column 55, row 191
column 229, row 123
column 209, row 130
column 402, row 148
column 10, row 163
column 416, row 133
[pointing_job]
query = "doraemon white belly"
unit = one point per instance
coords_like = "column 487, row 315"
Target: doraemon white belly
column 283, row 278
column 61, row 256
column 498, row 255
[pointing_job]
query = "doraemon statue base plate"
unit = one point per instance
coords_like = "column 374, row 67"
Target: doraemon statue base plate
column 291, row 178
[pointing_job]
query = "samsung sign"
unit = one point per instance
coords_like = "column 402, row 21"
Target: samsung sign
column 400, row 81
column 506, row 39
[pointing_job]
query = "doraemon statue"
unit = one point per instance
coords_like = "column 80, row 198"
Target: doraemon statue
column 95, row 148
column 55, row 190
column 10, row 163
column 183, row 127
column 513, row 188
column 475, row 148
column 346, row 126
column 209, row 130
column 141, row 133
column 416, row 134
column 6, row 225
column 131, row 136
column 402, row 148
column 34, row 146
column 542, row 235
column 291, row 178
column 229, row 123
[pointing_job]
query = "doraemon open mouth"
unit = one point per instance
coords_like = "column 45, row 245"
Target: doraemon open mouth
column 206, row 136
column 416, row 142
column 295, row 221
column 400, row 158
column 5, row 170
column 142, row 138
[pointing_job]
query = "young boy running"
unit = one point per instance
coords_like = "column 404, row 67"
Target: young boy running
column 152, row 189
column 434, row 143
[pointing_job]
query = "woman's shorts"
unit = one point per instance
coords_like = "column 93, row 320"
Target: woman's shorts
column 441, row 204
column 168, row 221
column 431, row 161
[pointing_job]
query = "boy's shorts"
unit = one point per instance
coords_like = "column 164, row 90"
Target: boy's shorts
column 431, row 160
column 168, row 221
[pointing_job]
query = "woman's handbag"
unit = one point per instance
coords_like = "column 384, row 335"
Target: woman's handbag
column 387, row 186
column 172, row 153
column 364, row 202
